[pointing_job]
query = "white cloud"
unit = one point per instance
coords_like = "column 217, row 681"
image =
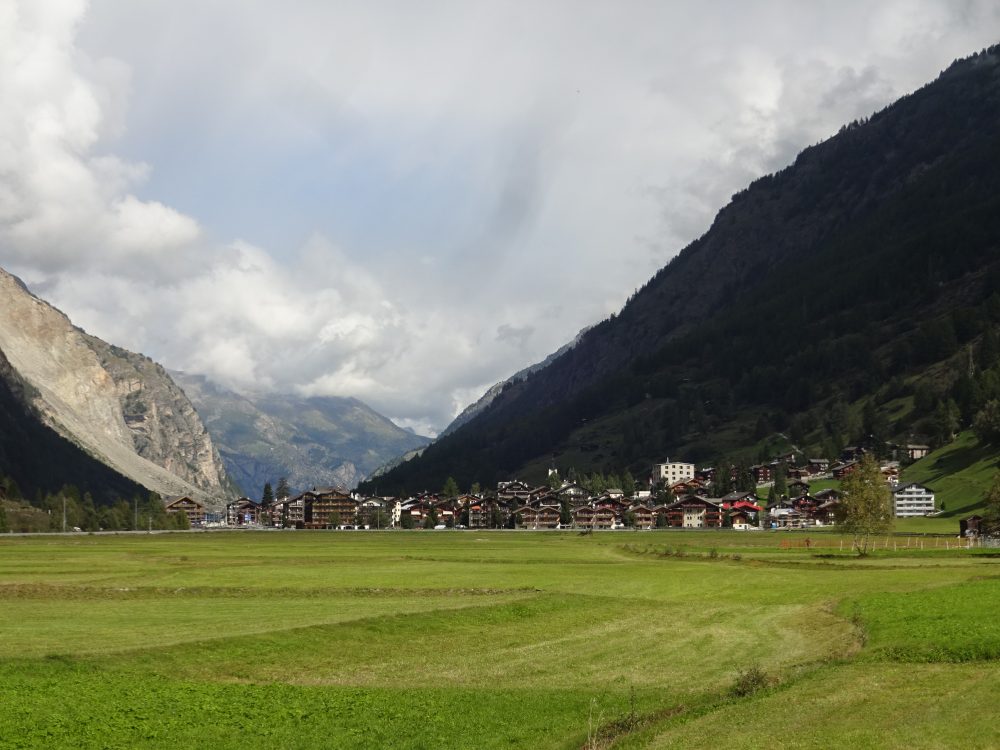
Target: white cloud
column 429, row 196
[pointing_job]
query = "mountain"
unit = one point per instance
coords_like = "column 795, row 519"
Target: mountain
column 310, row 441
column 850, row 294
column 487, row 398
column 118, row 407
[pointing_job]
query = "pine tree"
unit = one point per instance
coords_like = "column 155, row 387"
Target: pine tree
column 450, row 488
column 267, row 496
column 781, row 481
column 283, row 491
column 3, row 519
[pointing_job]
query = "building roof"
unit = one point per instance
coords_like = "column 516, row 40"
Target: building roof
column 901, row 487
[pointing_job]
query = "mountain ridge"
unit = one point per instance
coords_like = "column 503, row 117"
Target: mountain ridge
column 813, row 286
column 310, row 441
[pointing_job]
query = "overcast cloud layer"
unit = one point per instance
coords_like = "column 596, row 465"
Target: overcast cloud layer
column 406, row 202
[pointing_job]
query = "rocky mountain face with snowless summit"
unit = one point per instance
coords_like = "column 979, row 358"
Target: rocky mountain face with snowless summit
column 118, row 407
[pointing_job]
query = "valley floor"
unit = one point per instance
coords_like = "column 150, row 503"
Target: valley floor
column 494, row 639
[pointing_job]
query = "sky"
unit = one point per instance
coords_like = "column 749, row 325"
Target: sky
column 407, row 202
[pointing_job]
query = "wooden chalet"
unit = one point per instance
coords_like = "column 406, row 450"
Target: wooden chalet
column 827, row 495
column 516, row 493
column 288, row 512
column 706, row 475
column 537, row 517
column 688, row 487
column 841, row 470
column 694, row 512
column 323, row 507
column 742, row 520
column 970, row 526
column 243, row 512
column 474, row 512
column 644, row 516
column 740, row 498
column 194, row 510
column 595, row 517
column 761, row 473
column 370, row 513
column 573, row 492
column 818, row 466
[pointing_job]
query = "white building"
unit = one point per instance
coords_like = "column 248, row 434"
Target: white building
column 912, row 500
column 672, row 472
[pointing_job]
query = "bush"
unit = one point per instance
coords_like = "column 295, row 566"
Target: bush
column 749, row 681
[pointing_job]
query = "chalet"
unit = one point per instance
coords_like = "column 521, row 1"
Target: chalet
column 323, row 507
column 694, row 512
column 287, row 512
column 688, row 487
column 791, row 519
column 594, row 517
column 736, row 498
column 761, row 473
column 890, row 472
column 915, row 452
column 243, row 512
column 970, row 526
column 416, row 510
column 912, row 500
column 474, row 512
column 818, row 466
column 542, row 517
column 825, row 513
column 644, row 517
column 516, row 492
column 841, row 470
column 574, row 493
column 446, row 512
column 796, row 472
column 371, row 514
column 828, row 495
column 742, row 520
column 194, row 510
column 706, row 475
column 852, row 453
column 778, row 510
column 798, row 488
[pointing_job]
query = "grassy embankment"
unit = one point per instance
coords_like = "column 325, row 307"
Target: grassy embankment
column 467, row 639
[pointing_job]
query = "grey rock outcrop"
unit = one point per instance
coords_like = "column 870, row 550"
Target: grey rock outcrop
column 119, row 406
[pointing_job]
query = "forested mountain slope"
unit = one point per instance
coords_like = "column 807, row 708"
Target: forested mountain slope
column 847, row 294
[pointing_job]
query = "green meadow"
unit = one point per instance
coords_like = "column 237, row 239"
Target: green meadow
column 495, row 640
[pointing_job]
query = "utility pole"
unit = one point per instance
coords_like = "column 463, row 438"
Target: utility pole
column 64, row 514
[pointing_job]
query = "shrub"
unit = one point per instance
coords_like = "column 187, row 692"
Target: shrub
column 748, row 681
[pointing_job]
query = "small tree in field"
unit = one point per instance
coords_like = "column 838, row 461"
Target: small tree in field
column 865, row 509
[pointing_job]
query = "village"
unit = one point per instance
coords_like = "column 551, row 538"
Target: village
column 679, row 496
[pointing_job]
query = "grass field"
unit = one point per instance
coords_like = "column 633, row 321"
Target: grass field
column 489, row 640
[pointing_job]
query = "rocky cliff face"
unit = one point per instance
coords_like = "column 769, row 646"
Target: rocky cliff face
column 118, row 406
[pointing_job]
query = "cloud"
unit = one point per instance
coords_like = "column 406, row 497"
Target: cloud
column 408, row 203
